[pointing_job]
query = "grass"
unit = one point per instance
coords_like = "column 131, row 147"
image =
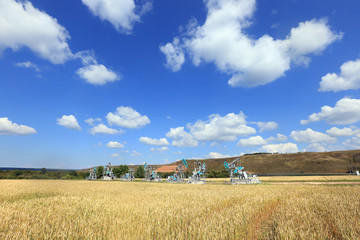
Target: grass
column 295, row 163
column 59, row 209
column 345, row 178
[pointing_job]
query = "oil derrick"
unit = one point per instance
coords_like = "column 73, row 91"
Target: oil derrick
column 92, row 175
column 354, row 163
column 178, row 176
column 198, row 176
column 238, row 175
column 108, row 173
column 151, row 174
column 128, row 176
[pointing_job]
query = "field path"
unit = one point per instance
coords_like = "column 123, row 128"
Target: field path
column 313, row 183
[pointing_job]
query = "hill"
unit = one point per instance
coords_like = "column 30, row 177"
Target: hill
column 336, row 162
column 293, row 163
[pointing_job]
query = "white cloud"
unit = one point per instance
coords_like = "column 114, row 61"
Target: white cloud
column 218, row 128
column 160, row 149
column 346, row 111
column 315, row 147
column 311, row 136
column 115, row 155
column 135, row 154
column 121, row 14
column 175, row 56
column 217, row 155
column 224, row 41
column 114, row 144
column 341, row 132
column 154, row 141
column 281, row 148
column 127, row 117
column 252, row 141
column 91, row 121
column 181, row 138
column 68, row 121
column 103, row 129
column 275, row 25
column 97, row 74
column 267, row 126
column 279, row 137
column 7, row 127
column 352, row 142
column 349, row 78
column 23, row 25
column 28, row 64
column 178, row 152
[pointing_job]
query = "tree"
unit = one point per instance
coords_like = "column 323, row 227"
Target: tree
column 117, row 172
column 99, row 171
column 43, row 170
column 124, row 169
column 140, row 172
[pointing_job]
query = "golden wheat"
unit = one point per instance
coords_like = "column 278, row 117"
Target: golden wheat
column 54, row 209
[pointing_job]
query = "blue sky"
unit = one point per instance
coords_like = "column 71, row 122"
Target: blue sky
column 90, row 81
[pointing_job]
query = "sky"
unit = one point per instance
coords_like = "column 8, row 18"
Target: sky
column 87, row 82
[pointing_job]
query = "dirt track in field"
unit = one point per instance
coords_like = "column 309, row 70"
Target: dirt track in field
column 313, row 183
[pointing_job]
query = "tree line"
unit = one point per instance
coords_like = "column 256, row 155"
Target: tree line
column 118, row 172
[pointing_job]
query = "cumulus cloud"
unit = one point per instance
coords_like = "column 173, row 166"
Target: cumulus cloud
column 91, row 121
column 114, row 144
column 28, row 64
column 103, row 129
column 224, row 41
column 341, row 132
column 7, row 127
column 68, row 121
column 346, row 111
column 153, row 141
column 175, row 56
column 97, row 74
column 217, row 155
column 279, row 137
column 349, row 78
column 267, row 126
column 252, row 142
column 23, row 25
column 181, row 138
column 315, row 147
column 281, row 148
column 135, row 153
column 121, row 14
column 311, row 136
column 218, row 128
column 353, row 142
column 127, row 117
column 160, row 149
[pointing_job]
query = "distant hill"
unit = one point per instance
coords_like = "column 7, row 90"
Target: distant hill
column 336, row 162
column 292, row 163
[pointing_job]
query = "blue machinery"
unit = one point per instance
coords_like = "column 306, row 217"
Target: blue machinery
column 178, row 176
column 198, row 176
column 128, row 176
column 92, row 175
column 151, row 174
column 108, row 173
column 237, row 175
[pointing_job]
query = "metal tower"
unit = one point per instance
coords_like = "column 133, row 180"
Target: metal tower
column 237, row 175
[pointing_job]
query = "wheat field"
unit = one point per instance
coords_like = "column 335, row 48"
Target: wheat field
column 61, row 209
